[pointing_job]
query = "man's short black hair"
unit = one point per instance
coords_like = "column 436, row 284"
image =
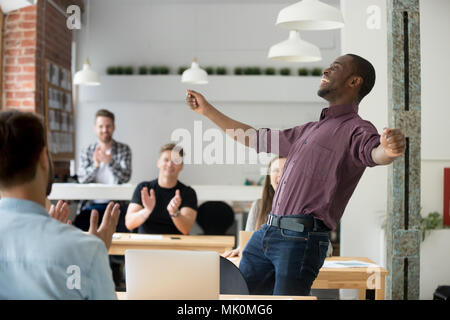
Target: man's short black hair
column 365, row 70
column 22, row 138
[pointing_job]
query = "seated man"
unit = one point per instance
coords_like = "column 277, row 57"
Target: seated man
column 164, row 205
column 40, row 257
column 105, row 161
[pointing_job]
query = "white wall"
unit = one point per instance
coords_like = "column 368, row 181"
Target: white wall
column 435, row 50
column 230, row 33
column 361, row 223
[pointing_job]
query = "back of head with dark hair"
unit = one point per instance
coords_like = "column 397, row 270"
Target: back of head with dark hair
column 105, row 113
column 365, row 70
column 22, row 138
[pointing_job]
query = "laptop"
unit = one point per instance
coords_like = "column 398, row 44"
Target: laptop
column 172, row 275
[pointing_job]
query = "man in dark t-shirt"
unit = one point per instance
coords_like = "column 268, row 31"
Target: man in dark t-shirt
column 164, row 205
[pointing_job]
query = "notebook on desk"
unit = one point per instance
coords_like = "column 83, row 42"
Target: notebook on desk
column 172, row 275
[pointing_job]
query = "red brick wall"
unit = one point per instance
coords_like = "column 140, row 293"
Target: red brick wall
column 19, row 61
column 31, row 35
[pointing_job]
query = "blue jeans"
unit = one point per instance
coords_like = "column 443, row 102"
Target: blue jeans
column 283, row 262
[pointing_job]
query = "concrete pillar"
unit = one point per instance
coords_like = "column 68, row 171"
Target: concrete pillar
column 403, row 213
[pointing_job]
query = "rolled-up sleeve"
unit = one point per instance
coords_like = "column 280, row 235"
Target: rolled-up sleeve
column 276, row 141
column 364, row 139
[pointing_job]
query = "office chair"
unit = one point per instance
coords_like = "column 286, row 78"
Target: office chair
column 215, row 217
column 231, row 279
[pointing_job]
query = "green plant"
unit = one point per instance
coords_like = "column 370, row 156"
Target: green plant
column 209, row 70
column 111, row 70
column 269, row 71
column 120, row 70
column 285, row 71
column 221, row 70
column 303, row 72
column 143, row 70
column 164, row 70
column 238, row 71
column 433, row 221
column 316, row 72
column 182, row 69
column 252, row 71
column 155, row 70
column 128, row 70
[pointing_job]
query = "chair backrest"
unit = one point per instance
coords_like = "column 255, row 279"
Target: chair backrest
column 215, row 217
column 244, row 236
column 231, row 279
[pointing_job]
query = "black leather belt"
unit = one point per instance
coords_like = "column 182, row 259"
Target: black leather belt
column 299, row 224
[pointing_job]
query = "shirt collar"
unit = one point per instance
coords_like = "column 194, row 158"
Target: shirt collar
column 338, row 110
column 21, row 205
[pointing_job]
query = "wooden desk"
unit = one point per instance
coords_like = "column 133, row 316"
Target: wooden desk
column 219, row 244
column 349, row 278
column 123, row 296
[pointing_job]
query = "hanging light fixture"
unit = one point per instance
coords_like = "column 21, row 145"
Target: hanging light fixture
column 195, row 74
column 310, row 15
column 295, row 49
column 86, row 76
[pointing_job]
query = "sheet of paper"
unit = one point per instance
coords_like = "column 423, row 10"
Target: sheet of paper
column 348, row 264
column 146, row 236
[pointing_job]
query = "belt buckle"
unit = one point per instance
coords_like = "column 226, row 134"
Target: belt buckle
column 269, row 219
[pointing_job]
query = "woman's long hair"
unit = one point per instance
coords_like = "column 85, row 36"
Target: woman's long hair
column 267, row 197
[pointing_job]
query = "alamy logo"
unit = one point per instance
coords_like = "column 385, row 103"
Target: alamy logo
column 74, row 278
column 74, row 19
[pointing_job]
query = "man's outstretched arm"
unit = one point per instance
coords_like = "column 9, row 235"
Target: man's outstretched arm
column 199, row 104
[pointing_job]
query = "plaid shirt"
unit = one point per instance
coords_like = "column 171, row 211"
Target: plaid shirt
column 120, row 163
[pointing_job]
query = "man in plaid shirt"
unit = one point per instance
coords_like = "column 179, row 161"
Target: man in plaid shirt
column 105, row 161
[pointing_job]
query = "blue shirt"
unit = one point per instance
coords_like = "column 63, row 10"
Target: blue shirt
column 42, row 258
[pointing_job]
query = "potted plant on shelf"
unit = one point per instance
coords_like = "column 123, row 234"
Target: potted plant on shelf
column 303, row 72
column 111, row 70
column 120, row 70
column 269, row 71
column 182, row 69
column 128, row 70
column 143, row 70
column 164, row 70
column 316, row 72
column 155, row 70
column 285, row 71
column 221, row 71
column 209, row 70
column 238, row 71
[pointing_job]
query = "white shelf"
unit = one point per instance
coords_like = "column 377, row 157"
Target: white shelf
column 168, row 88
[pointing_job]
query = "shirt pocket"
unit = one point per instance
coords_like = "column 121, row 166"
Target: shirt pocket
column 320, row 162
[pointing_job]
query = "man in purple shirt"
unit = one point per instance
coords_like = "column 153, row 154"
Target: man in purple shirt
column 325, row 160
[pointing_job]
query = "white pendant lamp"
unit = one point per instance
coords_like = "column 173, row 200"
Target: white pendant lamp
column 295, row 49
column 310, row 15
column 86, row 76
column 195, row 74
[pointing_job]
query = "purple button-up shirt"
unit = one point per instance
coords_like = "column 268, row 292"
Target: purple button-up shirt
column 325, row 160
